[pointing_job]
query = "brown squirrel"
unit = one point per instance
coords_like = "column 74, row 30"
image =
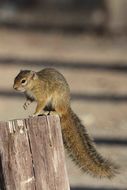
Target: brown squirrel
column 51, row 91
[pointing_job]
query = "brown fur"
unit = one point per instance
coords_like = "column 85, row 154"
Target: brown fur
column 50, row 90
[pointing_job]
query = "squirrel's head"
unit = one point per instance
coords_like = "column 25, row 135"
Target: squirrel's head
column 24, row 80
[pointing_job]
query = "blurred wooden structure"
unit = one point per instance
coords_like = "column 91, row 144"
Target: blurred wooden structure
column 109, row 15
column 117, row 15
column 32, row 155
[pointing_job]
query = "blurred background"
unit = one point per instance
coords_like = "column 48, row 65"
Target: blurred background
column 86, row 40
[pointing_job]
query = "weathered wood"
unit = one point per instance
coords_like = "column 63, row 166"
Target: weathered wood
column 32, row 155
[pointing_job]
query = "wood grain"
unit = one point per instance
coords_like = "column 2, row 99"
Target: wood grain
column 32, row 155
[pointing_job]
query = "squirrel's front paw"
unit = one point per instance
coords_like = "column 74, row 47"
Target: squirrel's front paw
column 26, row 104
column 34, row 115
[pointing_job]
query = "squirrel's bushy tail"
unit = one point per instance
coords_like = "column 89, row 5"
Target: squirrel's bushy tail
column 82, row 149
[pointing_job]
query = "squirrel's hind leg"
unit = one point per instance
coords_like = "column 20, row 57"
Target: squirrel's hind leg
column 53, row 113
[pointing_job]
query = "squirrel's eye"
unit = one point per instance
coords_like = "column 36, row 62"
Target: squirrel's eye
column 23, row 81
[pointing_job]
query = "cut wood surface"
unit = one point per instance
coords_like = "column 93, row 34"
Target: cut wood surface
column 32, row 155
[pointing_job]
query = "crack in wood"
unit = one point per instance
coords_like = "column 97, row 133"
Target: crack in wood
column 30, row 152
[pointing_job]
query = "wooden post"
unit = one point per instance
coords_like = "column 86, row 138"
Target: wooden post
column 32, row 155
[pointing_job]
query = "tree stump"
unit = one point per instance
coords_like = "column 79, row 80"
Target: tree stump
column 32, row 155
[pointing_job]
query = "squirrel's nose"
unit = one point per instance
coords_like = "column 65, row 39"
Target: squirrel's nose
column 15, row 87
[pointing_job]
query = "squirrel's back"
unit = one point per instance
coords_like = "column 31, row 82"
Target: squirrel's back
column 52, row 76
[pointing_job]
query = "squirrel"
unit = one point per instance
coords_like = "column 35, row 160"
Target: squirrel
column 51, row 91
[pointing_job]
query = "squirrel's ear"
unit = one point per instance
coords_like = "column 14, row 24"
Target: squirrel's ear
column 34, row 75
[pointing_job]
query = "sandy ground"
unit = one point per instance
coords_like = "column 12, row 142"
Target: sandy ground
column 99, row 96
